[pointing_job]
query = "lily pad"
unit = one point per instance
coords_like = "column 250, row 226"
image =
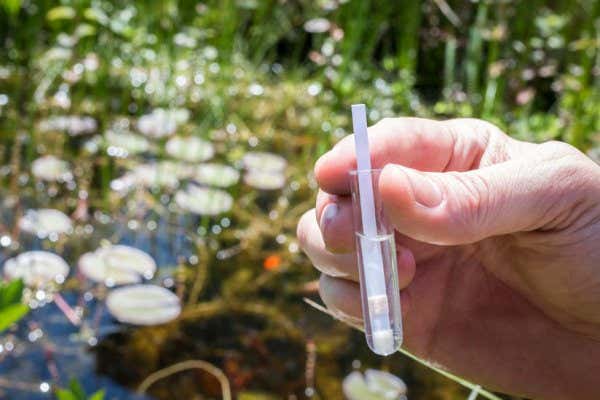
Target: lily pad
column 74, row 125
column 162, row 175
column 52, row 169
column 127, row 141
column 264, row 180
column 45, row 222
column 374, row 385
column 162, row 123
column 204, row 201
column 157, row 125
column 117, row 265
column 263, row 161
column 143, row 304
column 190, row 149
column 218, row 175
column 37, row 268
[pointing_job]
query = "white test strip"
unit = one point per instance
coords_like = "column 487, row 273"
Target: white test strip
column 374, row 277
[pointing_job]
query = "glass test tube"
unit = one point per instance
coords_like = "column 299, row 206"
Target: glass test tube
column 377, row 267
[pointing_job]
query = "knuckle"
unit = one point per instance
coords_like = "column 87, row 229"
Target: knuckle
column 558, row 149
column 475, row 204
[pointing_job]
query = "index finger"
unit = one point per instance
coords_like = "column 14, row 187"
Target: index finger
column 418, row 143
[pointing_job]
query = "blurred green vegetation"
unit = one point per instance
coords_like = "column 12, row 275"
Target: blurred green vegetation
column 531, row 67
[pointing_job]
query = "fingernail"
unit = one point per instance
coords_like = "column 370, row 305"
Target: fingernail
column 426, row 191
column 328, row 214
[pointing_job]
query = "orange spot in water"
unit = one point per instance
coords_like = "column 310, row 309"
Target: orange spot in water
column 272, row 262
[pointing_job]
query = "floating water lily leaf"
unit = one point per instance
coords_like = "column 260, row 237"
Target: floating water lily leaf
column 161, row 123
column 264, row 180
column 37, row 268
column 190, row 148
column 143, row 304
column 374, row 385
column 219, row 175
column 50, row 168
column 45, row 222
column 117, row 265
column 165, row 174
column 130, row 142
column 262, row 162
column 74, row 125
column 204, row 201
column 180, row 115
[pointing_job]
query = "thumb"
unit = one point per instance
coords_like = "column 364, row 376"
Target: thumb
column 451, row 208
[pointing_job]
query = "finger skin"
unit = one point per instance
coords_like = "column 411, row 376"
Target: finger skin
column 337, row 230
column 495, row 338
column 426, row 145
column 344, row 265
column 311, row 241
column 338, row 234
column 495, row 297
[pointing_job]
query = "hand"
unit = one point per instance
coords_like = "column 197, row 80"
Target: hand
column 498, row 251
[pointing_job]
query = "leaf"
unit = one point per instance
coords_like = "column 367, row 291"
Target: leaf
column 65, row 394
column 99, row 395
column 77, row 389
column 255, row 396
column 60, row 12
column 11, row 293
column 84, row 30
column 12, row 6
column 11, row 314
column 96, row 15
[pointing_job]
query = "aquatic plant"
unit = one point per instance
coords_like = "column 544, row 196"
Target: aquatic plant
column 46, row 223
column 37, row 268
column 12, row 308
column 50, row 168
column 374, row 385
column 190, row 149
column 76, row 392
column 217, row 175
column 143, row 304
column 117, row 265
column 74, row 125
column 105, row 109
column 203, row 201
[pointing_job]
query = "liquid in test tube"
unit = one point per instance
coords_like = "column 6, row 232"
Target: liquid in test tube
column 376, row 249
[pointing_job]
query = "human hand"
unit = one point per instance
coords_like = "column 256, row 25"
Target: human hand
column 498, row 251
